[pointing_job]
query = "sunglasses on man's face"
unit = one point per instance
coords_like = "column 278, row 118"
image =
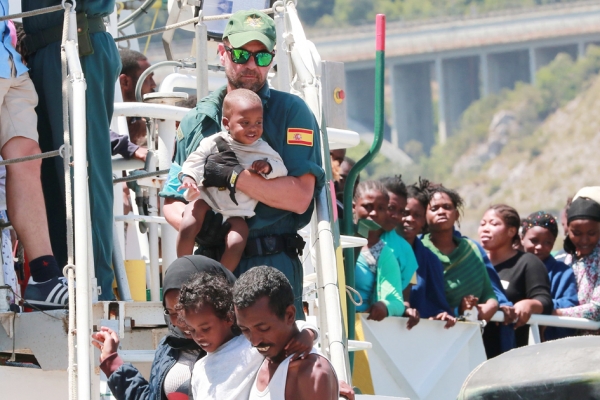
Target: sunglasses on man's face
column 241, row 56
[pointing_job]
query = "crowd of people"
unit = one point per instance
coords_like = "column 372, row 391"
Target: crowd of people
column 228, row 339
column 509, row 268
column 251, row 156
column 275, row 185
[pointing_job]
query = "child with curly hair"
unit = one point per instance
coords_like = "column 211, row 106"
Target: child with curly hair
column 228, row 369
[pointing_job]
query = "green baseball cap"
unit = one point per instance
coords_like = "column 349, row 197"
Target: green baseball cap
column 248, row 25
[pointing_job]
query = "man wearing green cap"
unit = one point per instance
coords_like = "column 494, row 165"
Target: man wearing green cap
column 289, row 127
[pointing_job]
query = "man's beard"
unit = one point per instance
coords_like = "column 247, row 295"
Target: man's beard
column 255, row 86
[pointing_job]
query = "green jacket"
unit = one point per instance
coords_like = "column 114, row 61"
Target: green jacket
column 388, row 283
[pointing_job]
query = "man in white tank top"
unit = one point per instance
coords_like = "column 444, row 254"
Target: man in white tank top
column 265, row 312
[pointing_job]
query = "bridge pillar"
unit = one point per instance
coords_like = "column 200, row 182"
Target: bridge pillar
column 360, row 90
column 533, row 67
column 439, row 78
column 413, row 108
column 484, row 71
column 506, row 69
column 545, row 55
column 458, row 80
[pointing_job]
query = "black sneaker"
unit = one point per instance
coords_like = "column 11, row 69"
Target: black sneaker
column 50, row 295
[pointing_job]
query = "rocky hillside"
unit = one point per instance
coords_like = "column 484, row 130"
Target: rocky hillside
column 539, row 171
column 530, row 147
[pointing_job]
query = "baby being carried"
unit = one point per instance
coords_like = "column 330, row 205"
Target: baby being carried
column 243, row 121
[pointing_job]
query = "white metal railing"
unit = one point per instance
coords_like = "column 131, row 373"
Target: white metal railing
column 167, row 115
column 73, row 105
column 298, row 56
column 330, row 311
column 158, row 111
column 83, row 270
column 538, row 320
column 78, row 218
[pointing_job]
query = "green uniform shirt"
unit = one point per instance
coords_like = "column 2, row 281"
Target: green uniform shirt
column 289, row 127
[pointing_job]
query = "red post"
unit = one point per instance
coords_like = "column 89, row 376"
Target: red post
column 380, row 29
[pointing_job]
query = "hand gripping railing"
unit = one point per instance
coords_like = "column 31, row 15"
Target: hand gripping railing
column 537, row 320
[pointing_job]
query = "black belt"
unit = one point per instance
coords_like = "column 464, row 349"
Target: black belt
column 85, row 26
column 289, row 243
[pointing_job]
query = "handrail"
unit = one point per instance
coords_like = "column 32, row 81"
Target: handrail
column 32, row 13
column 329, row 290
column 83, row 268
column 555, row 321
column 47, row 154
column 348, row 225
column 182, row 23
column 150, row 70
column 69, row 34
column 141, row 10
column 132, row 178
column 158, row 111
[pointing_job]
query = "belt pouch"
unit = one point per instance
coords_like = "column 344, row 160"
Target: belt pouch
column 83, row 35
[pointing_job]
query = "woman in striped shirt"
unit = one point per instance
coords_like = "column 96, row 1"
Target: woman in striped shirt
column 467, row 284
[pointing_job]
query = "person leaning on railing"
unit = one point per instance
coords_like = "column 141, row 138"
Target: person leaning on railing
column 465, row 273
column 523, row 275
column 392, row 227
column 18, row 138
column 427, row 296
column 378, row 277
column 583, row 253
column 538, row 234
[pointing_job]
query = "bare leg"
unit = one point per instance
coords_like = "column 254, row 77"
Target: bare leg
column 235, row 243
column 173, row 211
column 127, row 207
column 24, row 197
column 193, row 217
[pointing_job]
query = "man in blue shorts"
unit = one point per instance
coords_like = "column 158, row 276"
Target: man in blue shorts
column 290, row 128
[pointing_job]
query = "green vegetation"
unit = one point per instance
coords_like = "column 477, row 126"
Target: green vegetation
column 376, row 169
column 556, row 84
column 328, row 13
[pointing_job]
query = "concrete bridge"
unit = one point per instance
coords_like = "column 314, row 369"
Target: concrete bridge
column 454, row 62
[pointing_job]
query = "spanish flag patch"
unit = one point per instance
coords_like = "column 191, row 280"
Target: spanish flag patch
column 303, row 137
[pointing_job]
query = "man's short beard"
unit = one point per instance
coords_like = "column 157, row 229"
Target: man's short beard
column 254, row 86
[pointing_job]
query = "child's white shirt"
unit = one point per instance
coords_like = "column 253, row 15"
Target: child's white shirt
column 218, row 198
column 229, row 372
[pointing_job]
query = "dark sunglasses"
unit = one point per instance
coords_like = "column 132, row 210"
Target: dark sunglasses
column 241, row 56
